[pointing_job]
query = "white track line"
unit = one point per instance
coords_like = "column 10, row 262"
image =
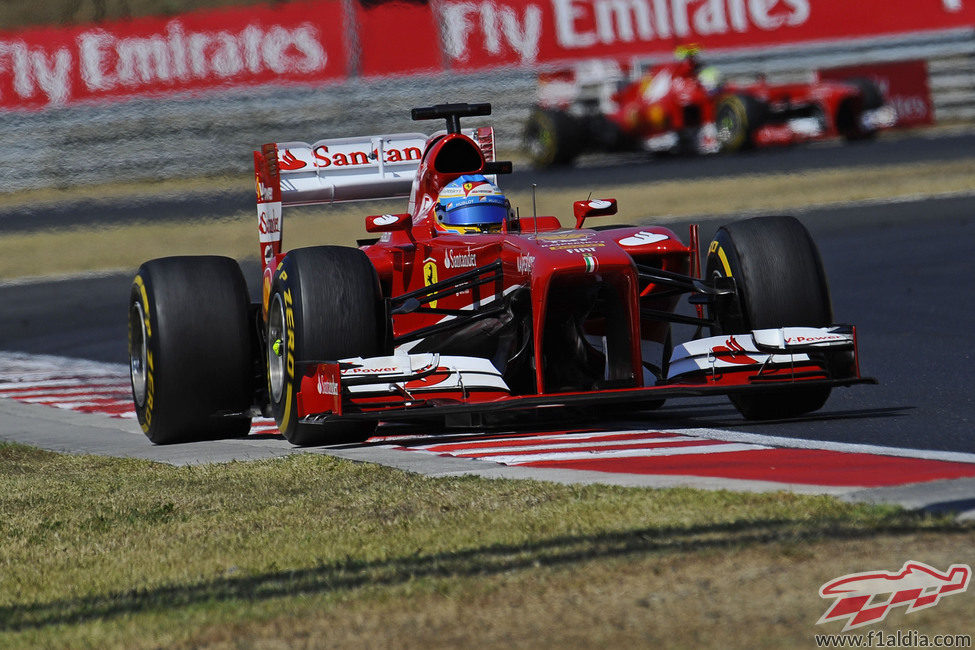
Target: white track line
column 635, row 442
column 18, row 393
column 542, row 434
column 825, row 445
column 62, row 382
column 622, row 453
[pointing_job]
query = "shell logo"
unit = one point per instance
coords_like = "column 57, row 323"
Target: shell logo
column 643, row 238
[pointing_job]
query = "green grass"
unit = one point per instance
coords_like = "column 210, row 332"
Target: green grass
column 99, row 552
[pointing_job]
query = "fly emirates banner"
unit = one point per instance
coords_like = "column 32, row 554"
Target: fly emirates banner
column 326, row 41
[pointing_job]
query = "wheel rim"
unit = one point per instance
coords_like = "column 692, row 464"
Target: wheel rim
column 276, row 344
column 138, row 353
column 728, row 126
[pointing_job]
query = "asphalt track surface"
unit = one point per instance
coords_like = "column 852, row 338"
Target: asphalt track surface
column 897, row 270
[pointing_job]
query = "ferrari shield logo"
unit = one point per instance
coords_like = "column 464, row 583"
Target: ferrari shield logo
column 430, row 277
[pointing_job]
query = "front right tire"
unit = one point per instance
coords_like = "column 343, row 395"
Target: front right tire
column 190, row 349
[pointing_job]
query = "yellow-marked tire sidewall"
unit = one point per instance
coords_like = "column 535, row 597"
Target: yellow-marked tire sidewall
column 284, row 408
column 139, row 295
column 330, row 309
column 198, row 367
column 543, row 131
column 722, row 261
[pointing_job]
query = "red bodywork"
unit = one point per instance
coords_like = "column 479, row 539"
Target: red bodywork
column 669, row 98
column 673, row 107
column 683, row 102
column 537, row 275
column 828, row 102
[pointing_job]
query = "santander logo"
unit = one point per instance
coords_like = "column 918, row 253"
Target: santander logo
column 643, row 238
column 438, row 377
column 385, row 220
column 732, row 352
column 289, row 162
column 269, row 224
column 322, row 156
column 452, row 260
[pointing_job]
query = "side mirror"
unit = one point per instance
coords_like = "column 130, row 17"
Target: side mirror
column 388, row 222
column 593, row 208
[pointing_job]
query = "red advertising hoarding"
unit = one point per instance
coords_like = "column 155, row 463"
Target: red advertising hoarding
column 484, row 33
column 295, row 42
column 904, row 84
column 397, row 38
column 313, row 41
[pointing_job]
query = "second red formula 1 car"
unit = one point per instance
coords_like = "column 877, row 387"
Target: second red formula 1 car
column 461, row 308
column 683, row 106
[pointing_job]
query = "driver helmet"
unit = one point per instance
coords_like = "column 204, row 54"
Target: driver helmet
column 710, row 78
column 471, row 204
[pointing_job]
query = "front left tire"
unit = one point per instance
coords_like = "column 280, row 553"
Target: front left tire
column 780, row 282
column 325, row 304
column 737, row 117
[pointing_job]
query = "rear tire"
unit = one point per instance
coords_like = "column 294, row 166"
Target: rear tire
column 325, row 304
column 781, row 283
column 190, row 349
column 552, row 137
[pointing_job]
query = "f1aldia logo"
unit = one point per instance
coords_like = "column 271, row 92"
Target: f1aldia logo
column 865, row 598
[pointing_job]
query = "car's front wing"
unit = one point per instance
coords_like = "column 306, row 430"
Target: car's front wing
column 411, row 387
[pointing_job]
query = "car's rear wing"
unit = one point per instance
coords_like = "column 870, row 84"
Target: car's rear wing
column 339, row 169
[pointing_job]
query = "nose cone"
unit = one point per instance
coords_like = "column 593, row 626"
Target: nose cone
column 569, row 253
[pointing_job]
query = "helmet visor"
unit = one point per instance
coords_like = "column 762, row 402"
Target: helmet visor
column 477, row 214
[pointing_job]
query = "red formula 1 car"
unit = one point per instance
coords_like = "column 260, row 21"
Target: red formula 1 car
column 461, row 308
column 683, row 107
